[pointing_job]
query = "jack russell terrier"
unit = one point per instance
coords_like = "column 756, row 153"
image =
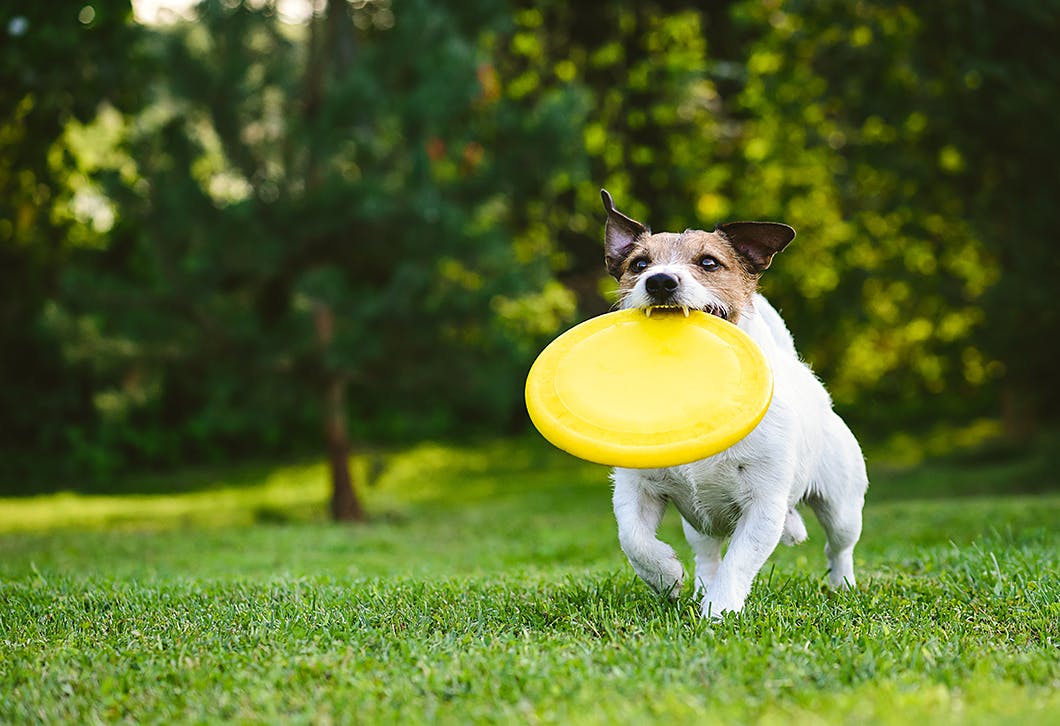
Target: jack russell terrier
column 801, row 451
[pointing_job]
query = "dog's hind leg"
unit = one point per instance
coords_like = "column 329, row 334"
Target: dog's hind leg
column 707, row 551
column 841, row 521
column 837, row 501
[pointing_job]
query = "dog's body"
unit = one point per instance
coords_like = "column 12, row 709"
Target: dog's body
column 800, row 452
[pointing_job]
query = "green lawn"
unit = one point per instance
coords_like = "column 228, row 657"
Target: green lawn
column 490, row 587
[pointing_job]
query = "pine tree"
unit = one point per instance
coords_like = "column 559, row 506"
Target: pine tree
column 325, row 223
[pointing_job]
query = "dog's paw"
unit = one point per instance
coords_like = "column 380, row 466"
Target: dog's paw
column 716, row 610
column 842, row 580
column 663, row 573
column 794, row 529
column 716, row 603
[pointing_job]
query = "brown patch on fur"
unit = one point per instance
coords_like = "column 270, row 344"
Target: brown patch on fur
column 732, row 282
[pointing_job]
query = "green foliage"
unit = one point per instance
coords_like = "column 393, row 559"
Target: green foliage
column 888, row 136
column 657, row 135
column 261, row 188
column 496, row 591
column 188, row 209
column 869, row 127
column 57, row 62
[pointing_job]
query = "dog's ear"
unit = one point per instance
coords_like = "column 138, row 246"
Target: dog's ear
column 757, row 242
column 620, row 233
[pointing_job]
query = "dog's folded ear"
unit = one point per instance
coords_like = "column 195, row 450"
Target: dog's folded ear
column 620, row 234
column 757, row 242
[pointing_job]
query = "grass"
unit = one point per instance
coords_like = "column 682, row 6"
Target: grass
column 491, row 589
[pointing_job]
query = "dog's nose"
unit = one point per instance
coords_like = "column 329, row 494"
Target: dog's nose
column 661, row 285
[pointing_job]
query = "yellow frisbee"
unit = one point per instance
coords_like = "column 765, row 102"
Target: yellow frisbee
column 632, row 390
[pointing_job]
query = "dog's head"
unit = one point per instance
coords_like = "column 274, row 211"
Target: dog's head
column 716, row 272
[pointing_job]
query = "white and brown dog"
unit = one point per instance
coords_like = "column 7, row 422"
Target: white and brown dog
column 800, row 452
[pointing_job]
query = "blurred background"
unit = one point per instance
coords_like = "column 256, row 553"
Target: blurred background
column 263, row 230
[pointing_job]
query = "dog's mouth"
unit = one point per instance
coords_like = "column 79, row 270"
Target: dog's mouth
column 714, row 310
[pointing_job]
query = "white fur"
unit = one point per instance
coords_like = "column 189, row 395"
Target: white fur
column 800, row 452
column 690, row 294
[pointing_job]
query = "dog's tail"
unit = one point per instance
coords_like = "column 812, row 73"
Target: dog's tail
column 794, row 529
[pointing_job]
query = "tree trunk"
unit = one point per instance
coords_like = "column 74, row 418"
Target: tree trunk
column 1019, row 420
column 331, row 51
column 345, row 506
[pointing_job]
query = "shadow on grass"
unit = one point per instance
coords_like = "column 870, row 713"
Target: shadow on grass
column 193, row 478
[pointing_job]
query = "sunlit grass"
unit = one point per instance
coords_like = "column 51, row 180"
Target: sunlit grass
column 286, row 489
column 428, row 473
column 489, row 587
column 432, row 474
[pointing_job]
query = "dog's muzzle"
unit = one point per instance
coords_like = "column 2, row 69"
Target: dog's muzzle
column 663, row 292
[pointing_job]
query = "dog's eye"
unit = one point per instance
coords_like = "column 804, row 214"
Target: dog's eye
column 639, row 265
column 709, row 263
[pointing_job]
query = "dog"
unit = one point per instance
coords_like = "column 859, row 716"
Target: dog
column 800, row 452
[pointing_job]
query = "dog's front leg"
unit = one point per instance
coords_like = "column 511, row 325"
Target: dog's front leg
column 638, row 512
column 756, row 536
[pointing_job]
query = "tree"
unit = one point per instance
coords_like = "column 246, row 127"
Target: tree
column 889, row 134
column 882, row 132
column 58, row 62
column 322, row 216
column 658, row 134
